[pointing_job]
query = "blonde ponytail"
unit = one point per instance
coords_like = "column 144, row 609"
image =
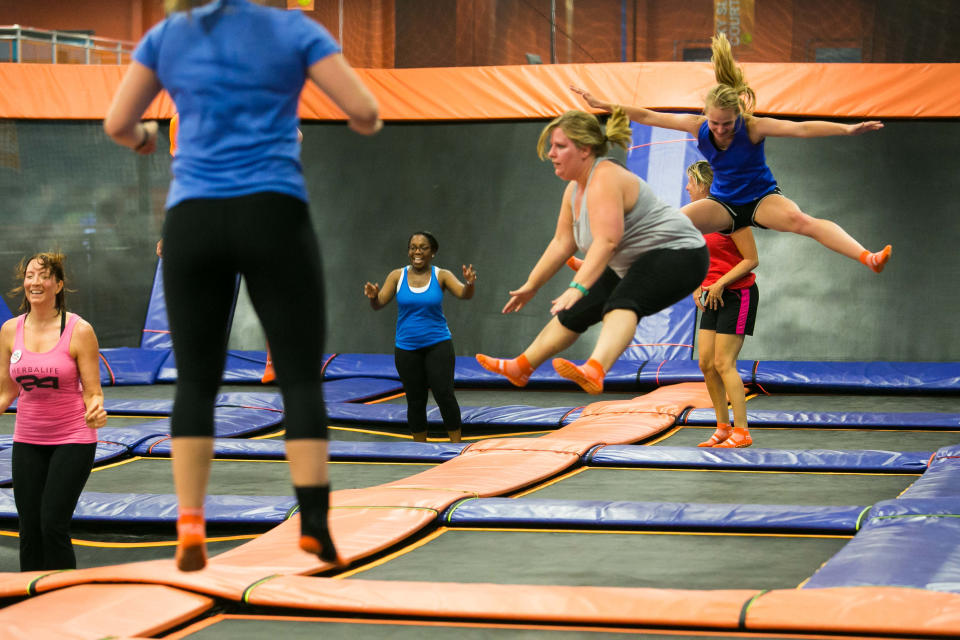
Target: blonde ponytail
column 584, row 130
column 732, row 91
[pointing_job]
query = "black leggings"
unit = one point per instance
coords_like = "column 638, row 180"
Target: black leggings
column 269, row 240
column 428, row 368
column 47, row 481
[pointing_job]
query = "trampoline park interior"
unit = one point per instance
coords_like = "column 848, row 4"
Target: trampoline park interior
column 561, row 513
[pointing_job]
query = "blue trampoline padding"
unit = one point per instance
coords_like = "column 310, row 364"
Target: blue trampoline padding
column 918, row 552
column 340, row 451
column 509, row 415
column 904, row 507
column 949, row 451
column 660, row 515
column 666, row 335
column 258, row 400
column 663, row 372
column 359, row 389
column 106, row 451
column 239, row 366
column 763, row 417
column 156, row 329
column 152, row 508
column 840, row 376
column 127, row 366
column 759, row 459
column 228, row 422
column 941, row 480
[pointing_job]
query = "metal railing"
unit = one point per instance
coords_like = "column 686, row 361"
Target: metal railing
column 27, row 44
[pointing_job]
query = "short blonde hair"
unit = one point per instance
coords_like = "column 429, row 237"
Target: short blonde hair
column 585, row 131
column 701, row 173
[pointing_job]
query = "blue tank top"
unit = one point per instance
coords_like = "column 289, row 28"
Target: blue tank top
column 420, row 320
column 740, row 172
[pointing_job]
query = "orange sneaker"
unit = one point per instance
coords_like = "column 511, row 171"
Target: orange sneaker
column 517, row 370
column 720, row 435
column 191, row 540
column 739, row 439
column 589, row 376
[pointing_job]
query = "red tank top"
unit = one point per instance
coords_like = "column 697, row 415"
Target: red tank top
column 724, row 256
column 50, row 406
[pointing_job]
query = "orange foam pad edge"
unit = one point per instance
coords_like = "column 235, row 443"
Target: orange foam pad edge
column 606, row 605
column 101, row 610
column 887, row 610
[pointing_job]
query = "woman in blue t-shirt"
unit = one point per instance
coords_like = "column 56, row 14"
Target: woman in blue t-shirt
column 238, row 205
column 423, row 349
column 730, row 137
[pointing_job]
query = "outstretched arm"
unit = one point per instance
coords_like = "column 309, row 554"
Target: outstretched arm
column 762, row 127
column 379, row 298
column 339, row 81
column 457, row 288
column 677, row 121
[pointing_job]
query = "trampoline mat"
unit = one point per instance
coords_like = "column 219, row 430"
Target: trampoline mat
column 664, row 560
column 242, row 477
column 840, row 439
column 726, row 487
column 294, row 628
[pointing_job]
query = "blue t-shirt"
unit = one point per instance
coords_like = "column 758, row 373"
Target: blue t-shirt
column 420, row 320
column 235, row 71
column 740, row 172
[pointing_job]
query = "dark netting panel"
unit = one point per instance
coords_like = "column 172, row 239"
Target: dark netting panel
column 66, row 186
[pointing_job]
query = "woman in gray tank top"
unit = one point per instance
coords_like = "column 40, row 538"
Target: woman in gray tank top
column 641, row 255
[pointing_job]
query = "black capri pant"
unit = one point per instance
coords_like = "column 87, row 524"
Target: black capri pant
column 428, row 368
column 269, row 240
column 656, row 280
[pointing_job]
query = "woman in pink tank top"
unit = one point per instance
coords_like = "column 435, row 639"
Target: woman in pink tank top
column 54, row 375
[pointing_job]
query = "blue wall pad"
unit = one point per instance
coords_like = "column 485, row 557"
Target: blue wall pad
column 597, row 514
column 239, row 366
column 759, row 459
column 509, row 415
column 126, row 366
column 340, row 451
column 666, row 335
column 658, row 373
column 151, row 508
column 843, row 419
column 913, row 550
column 106, row 451
column 156, row 329
column 841, row 376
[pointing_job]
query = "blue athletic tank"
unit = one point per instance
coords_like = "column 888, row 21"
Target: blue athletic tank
column 420, row 319
column 740, row 172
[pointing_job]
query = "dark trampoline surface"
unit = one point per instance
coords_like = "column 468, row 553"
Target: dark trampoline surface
column 242, row 477
column 726, row 487
column 240, row 628
column 839, row 439
column 617, row 559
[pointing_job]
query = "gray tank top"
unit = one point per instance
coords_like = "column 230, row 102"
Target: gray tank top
column 650, row 224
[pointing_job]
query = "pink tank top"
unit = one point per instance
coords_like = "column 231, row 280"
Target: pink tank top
column 50, row 406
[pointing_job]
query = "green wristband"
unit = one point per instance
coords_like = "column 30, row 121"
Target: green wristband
column 579, row 287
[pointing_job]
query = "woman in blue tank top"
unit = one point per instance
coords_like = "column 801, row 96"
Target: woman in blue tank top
column 731, row 138
column 423, row 349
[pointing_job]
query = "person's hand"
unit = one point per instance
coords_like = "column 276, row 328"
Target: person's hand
column 371, row 290
column 714, row 298
column 95, row 415
column 566, row 300
column 589, row 99
column 696, row 298
column 469, row 273
column 864, row 127
column 160, row 248
column 151, row 128
column 519, row 298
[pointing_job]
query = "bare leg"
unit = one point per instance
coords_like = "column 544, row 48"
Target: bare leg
column 308, row 461
column 454, row 435
column 708, row 216
column 727, row 349
column 551, row 340
column 619, row 326
column 191, row 469
column 715, row 387
column 782, row 214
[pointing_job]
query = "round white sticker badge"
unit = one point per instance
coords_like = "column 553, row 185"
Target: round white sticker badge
column 15, row 356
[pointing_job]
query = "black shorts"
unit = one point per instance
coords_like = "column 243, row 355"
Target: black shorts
column 736, row 316
column 743, row 214
column 656, row 280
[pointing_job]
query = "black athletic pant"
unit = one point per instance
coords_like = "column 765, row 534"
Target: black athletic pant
column 269, row 240
column 428, row 368
column 47, row 481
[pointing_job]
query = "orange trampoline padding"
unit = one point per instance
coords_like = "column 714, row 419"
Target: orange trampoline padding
column 887, row 610
column 100, row 611
column 69, row 91
column 601, row 605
